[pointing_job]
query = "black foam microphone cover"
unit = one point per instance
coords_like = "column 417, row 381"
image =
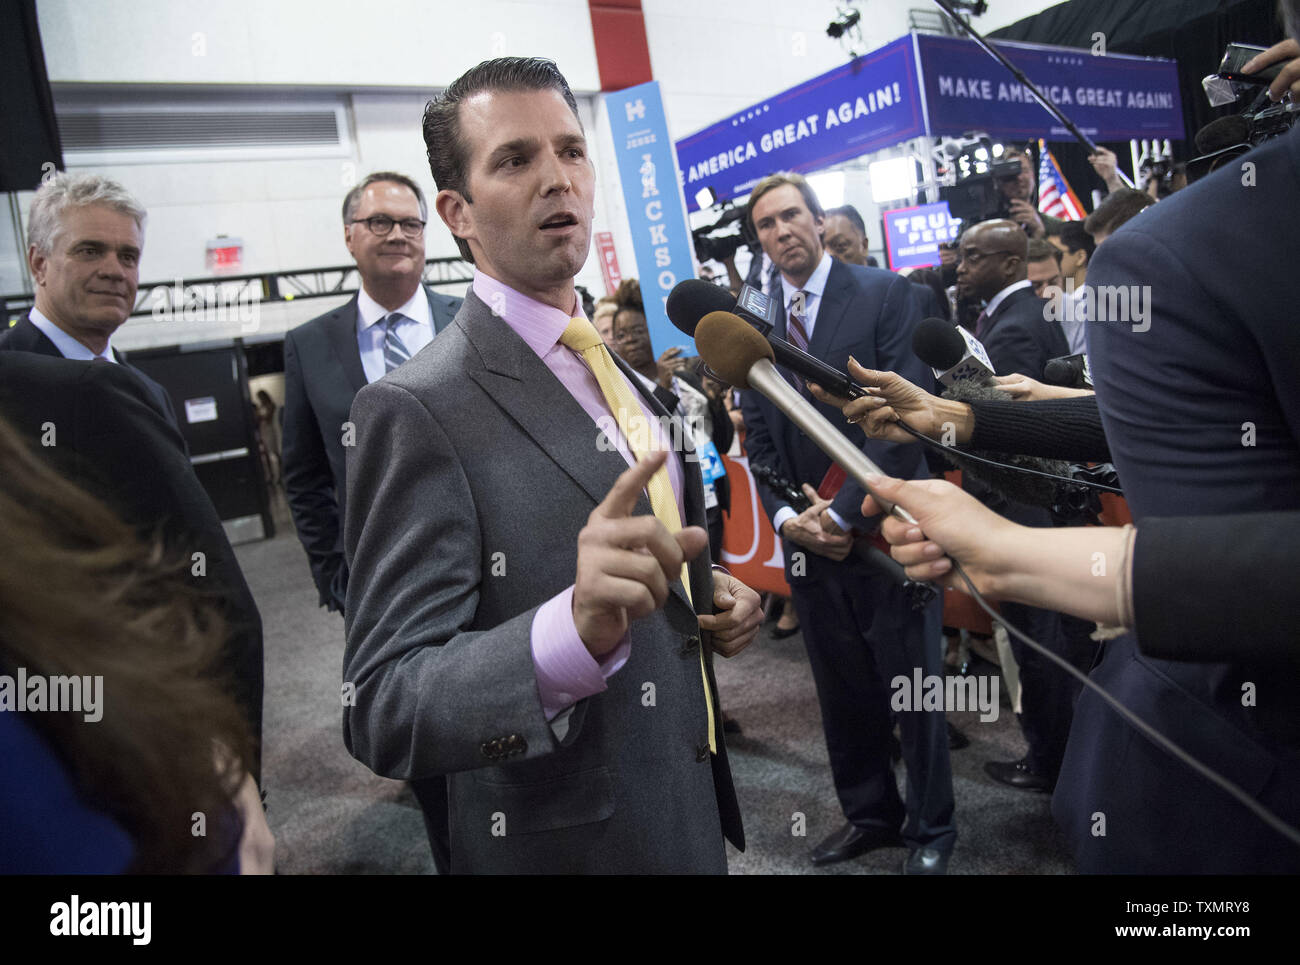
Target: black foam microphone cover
column 937, row 343
column 692, row 299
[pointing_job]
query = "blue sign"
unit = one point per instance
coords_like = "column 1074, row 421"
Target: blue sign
column 661, row 236
column 867, row 104
column 913, row 235
column 1110, row 97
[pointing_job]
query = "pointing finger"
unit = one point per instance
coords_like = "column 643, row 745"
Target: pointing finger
column 622, row 496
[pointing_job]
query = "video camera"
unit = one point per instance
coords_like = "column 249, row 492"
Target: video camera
column 974, row 172
column 1257, row 119
column 715, row 242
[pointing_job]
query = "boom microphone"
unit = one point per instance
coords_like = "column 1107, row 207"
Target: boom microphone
column 693, row 299
column 743, row 358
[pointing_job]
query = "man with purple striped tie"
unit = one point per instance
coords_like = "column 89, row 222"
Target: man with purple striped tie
column 859, row 629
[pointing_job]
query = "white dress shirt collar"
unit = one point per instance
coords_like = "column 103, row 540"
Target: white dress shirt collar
column 369, row 311
column 68, row 346
column 1001, row 296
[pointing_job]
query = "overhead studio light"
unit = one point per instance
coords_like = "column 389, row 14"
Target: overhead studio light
column 892, row 179
column 829, row 188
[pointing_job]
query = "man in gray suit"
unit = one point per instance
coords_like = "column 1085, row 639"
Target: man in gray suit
column 328, row 359
column 516, row 617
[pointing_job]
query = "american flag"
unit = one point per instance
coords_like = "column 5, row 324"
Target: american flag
column 1055, row 196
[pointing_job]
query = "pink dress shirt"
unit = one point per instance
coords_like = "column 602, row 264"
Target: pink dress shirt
column 566, row 671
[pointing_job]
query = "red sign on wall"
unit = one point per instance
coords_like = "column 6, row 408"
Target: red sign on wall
column 751, row 550
column 608, row 261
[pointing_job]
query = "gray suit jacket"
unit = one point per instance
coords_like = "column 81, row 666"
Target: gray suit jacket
column 473, row 471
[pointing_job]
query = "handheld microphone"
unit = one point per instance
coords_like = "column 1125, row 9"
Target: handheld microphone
column 743, row 358
column 693, row 299
column 953, row 354
column 1070, row 371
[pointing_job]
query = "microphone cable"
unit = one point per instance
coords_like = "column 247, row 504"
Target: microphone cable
column 1157, row 738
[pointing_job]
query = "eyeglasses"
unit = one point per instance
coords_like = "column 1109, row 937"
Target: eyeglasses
column 380, row 225
column 975, row 257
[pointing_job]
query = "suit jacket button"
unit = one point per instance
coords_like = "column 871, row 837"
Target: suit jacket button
column 517, row 744
column 691, row 644
column 702, row 753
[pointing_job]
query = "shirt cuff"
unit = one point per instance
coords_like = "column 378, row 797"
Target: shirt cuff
column 566, row 671
column 782, row 514
column 839, row 520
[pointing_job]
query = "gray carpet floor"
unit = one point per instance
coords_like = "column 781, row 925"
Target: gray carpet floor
column 331, row 815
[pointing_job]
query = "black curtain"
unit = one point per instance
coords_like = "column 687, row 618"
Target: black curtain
column 1192, row 32
column 30, row 133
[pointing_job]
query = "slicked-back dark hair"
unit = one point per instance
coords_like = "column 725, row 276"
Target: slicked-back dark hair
column 447, row 151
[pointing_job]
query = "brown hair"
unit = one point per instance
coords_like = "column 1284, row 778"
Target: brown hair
column 80, row 594
column 1040, row 250
column 775, row 181
column 1120, row 207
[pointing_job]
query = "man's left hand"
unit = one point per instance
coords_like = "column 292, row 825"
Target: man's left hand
column 738, row 615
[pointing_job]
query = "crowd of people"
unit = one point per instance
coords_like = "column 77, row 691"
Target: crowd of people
column 505, row 616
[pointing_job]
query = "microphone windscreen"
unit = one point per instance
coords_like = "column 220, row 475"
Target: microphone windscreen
column 1222, row 132
column 937, row 343
column 692, row 299
column 730, row 347
column 1058, row 372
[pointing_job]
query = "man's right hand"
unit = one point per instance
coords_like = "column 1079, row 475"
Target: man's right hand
column 1106, row 164
column 626, row 563
column 806, row 530
column 1289, row 78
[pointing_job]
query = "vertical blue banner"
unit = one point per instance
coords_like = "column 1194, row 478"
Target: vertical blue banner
column 647, row 169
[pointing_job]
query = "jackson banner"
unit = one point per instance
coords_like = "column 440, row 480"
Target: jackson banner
column 661, row 236
column 864, row 105
column 1111, row 97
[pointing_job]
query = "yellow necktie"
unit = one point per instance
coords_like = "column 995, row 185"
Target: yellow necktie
column 582, row 337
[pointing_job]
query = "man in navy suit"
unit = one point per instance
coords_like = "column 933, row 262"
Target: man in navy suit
column 1019, row 336
column 858, row 628
column 85, row 233
column 329, row 359
column 1201, row 405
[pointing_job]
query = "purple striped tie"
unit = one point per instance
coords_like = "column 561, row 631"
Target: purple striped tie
column 797, row 335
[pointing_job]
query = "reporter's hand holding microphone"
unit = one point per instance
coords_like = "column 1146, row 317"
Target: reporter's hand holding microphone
column 1054, row 569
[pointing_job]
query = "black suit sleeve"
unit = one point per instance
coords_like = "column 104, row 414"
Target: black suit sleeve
column 1186, row 608
column 899, row 315
column 130, row 456
column 1013, row 348
column 309, row 484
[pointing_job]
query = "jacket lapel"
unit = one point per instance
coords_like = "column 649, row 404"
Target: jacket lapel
column 530, row 394
column 437, row 312
column 342, row 328
column 26, row 337
column 835, row 303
